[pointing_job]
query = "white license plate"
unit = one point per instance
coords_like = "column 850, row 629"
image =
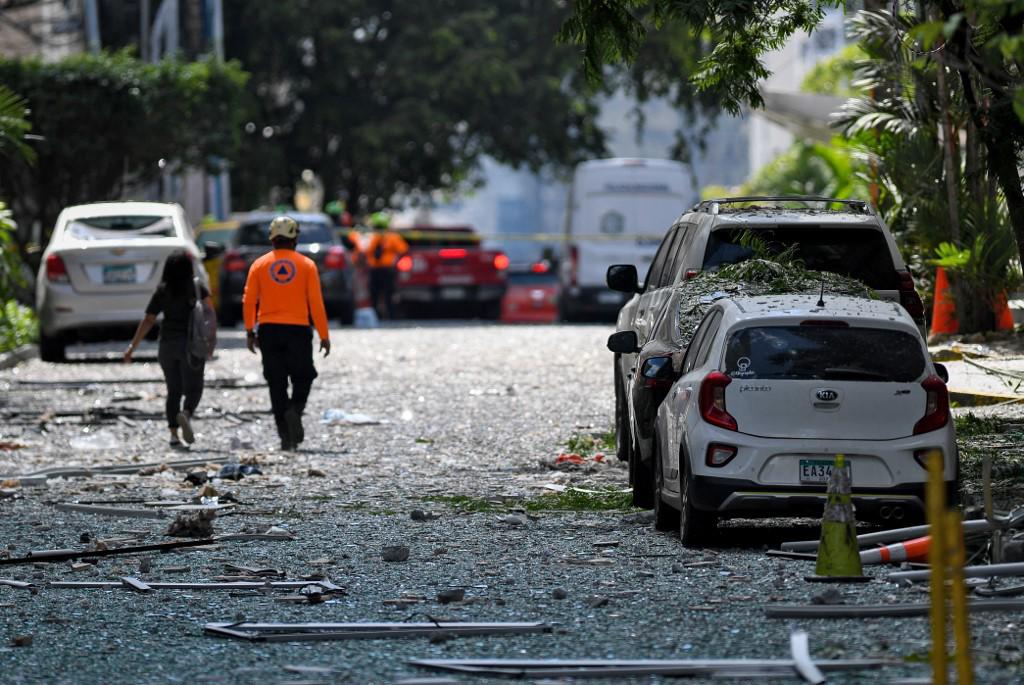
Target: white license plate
column 118, row 273
column 609, row 298
column 819, row 470
column 453, row 293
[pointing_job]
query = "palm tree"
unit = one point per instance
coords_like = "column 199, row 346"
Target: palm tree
column 13, row 125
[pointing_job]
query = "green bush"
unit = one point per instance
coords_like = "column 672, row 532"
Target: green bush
column 17, row 322
column 18, row 326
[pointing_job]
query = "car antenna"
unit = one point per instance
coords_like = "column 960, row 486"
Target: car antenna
column 821, row 296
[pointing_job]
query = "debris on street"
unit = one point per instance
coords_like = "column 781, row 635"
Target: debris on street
column 291, row 632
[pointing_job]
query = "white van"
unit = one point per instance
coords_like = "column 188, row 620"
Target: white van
column 618, row 212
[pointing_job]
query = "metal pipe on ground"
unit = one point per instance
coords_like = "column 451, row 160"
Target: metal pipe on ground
column 987, row 571
column 881, row 610
column 1015, row 520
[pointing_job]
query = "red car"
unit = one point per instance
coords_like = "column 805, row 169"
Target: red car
column 532, row 295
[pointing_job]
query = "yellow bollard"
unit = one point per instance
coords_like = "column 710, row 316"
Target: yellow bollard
column 937, row 558
column 954, row 536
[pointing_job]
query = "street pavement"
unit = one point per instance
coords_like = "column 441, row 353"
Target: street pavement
column 436, row 439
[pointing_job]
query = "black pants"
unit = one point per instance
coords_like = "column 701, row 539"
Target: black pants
column 181, row 377
column 382, row 285
column 287, row 353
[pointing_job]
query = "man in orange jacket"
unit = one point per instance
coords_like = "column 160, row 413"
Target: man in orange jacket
column 381, row 253
column 282, row 294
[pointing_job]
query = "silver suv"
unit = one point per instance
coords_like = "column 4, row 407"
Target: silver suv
column 842, row 236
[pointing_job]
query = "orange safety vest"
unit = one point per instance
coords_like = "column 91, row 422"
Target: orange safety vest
column 286, row 286
column 384, row 249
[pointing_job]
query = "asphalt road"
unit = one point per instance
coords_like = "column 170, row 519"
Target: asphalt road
column 461, row 421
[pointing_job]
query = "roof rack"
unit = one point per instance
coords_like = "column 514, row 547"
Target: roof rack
column 713, row 206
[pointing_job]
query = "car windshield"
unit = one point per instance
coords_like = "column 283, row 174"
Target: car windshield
column 441, row 237
column 256, row 232
column 824, row 353
column 122, row 227
column 860, row 253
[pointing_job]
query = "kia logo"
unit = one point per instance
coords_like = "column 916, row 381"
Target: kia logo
column 826, row 395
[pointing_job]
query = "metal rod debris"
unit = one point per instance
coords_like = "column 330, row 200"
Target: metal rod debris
column 327, row 585
column 293, row 632
column 599, row 668
column 987, row 571
column 99, row 510
column 880, row 610
column 71, row 554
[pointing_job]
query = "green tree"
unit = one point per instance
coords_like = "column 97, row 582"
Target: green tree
column 380, row 98
column 104, row 122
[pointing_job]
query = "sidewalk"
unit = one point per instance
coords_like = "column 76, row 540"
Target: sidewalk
column 980, row 375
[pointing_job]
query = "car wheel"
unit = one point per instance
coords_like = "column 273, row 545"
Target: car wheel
column 52, row 348
column 696, row 527
column 623, row 440
column 666, row 517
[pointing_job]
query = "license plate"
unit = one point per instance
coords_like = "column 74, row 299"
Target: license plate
column 609, row 298
column 118, row 273
column 453, row 293
column 818, row 470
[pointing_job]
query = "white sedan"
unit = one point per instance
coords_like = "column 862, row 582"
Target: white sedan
column 102, row 264
column 773, row 387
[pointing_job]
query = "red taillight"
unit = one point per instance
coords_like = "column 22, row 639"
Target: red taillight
column 56, row 270
column 690, row 273
column 712, row 401
column 719, row 455
column 540, row 267
column 335, row 258
column 909, row 298
column 500, row 261
column 574, row 260
column 451, row 253
column 936, row 406
column 404, row 264
column 233, row 261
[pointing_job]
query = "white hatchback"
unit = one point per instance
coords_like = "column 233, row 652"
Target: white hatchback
column 102, row 264
column 773, row 387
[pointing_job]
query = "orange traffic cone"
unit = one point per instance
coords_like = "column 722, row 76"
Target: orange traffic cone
column 943, row 310
column 909, row 550
column 1004, row 319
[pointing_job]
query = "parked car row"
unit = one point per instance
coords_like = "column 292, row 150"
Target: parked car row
column 743, row 417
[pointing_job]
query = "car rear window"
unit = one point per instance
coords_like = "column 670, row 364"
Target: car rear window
column 860, row 253
column 255, row 233
column 122, row 227
column 824, row 353
column 438, row 237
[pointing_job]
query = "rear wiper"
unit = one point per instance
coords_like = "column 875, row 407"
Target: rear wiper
column 846, row 372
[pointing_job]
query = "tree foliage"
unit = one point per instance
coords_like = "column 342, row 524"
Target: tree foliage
column 380, row 98
column 104, row 122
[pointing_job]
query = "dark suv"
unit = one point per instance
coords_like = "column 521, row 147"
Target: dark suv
column 842, row 236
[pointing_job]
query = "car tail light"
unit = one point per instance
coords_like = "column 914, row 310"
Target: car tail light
column 909, row 298
column 451, row 253
column 922, row 456
column 936, row 406
column 719, row 455
column 56, row 270
column 234, row 261
column 574, row 260
column 712, row 401
column 657, row 372
column 540, row 267
column 404, row 264
column 501, row 261
column 690, row 273
column 335, row 258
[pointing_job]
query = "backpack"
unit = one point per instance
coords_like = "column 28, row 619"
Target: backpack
column 202, row 329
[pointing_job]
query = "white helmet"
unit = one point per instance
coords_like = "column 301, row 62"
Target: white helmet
column 284, row 227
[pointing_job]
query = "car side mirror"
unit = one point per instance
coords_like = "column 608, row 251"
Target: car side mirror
column 212, row 251
column 942, row 372
column 623, row 342
column 623, row 278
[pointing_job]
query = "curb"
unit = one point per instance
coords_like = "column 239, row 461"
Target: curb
column 967, row 398
column 17, row 356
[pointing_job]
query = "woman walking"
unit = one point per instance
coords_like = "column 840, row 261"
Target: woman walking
column 176, row 298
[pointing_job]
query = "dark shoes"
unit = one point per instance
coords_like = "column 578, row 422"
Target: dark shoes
column 186, row 428
column 293, row 420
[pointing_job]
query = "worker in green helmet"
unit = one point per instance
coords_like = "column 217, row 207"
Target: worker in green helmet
column 382, row 252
